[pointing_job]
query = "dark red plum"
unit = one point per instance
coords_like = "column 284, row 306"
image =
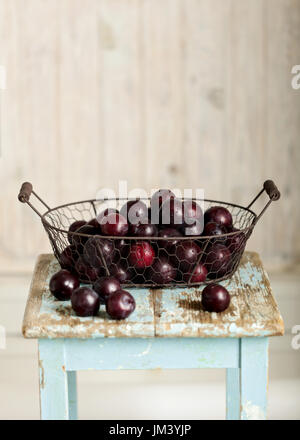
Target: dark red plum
column 143, row 230
column 85, row 302
column 96, row 248
column 68, row 257
column 236, row 242
column 86, row 272
column 94, row 222
column 121, row 272
column 74, row 227
column 120, row 304
column 122, row 248
column 162, row 271
column 105, row 286
column 80, row 240
column 199, row 275
column 168, row 233
column 114, row 225
column 218, row 214
column 141, row 255
column 213, row 229
column 62, row 284
column 186, row 255
column 218, row 260
column 215, row 298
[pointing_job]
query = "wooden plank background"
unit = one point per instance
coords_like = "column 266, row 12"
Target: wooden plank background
column 173, row 93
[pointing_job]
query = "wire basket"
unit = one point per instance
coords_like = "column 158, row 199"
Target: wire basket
column 174, row 261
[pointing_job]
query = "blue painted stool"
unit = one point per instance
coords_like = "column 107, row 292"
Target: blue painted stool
column 167, row 330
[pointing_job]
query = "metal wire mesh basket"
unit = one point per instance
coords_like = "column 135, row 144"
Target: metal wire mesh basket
column 146, row 261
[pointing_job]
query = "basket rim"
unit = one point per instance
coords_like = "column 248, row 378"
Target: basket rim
column 154, row 238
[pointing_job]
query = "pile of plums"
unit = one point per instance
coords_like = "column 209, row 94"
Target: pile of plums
column 119, row 303
column 171, row 242
column 86, row 301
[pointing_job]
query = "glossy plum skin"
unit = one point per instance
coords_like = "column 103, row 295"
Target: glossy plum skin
column 236, row 242
column 62, row 284
column 120, row 304
column 105, row 286
column 143, row 230
column 219, row 215
column 86, row 272
column 94, row 222
column 162, row 271
column 121, row 272
column 74, row 227
column 122, row 248
column 168, row 233
column 199, row 275
column 114, row 225
column 80, row 240
column 186, row 255
column 215, row 230
column 135, row 211
column 85, row 302
column 215, row 298
column 141, row 255
column 218, row 260
column 68, row 258
column 94, row 247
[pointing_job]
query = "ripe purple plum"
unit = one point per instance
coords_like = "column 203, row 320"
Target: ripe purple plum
column 215, row 298
column 105, row 286
column 218, row 260
column 120, row 304
column 98, row 249
column 186, row 255
column 85, row 302
column 62, row 284
column 198, row 276
column 114, row 225
column 218, row 214
column 162, row 271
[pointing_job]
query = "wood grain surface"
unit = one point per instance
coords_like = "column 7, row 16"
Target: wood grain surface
column 174, row 312
column 162, row 93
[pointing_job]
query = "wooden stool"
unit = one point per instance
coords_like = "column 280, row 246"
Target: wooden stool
column 167, row 330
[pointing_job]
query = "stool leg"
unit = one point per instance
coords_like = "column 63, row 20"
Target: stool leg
column 72, row 393
column 254, row 378
column 233, row 395
column 54, row 396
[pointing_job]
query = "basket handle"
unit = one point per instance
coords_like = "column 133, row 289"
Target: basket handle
column 273, row 193
column 24, row 196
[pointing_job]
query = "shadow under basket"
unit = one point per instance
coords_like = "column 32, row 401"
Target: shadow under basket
column 92, row 255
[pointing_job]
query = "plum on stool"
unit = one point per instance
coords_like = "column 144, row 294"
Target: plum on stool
column 215, row 298
column 120, row 304
column 85, row 302
column 62, row 284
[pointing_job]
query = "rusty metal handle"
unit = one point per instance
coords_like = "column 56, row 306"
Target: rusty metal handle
column 273, row 193
column 272, row 190
column 24, row 196
column 25, row 192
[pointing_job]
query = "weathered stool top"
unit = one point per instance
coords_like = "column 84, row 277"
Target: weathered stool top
column 160, row 312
